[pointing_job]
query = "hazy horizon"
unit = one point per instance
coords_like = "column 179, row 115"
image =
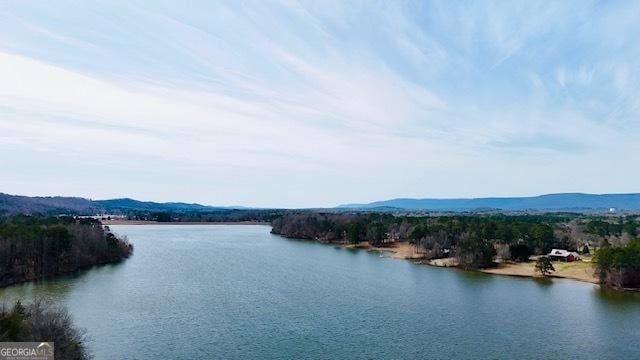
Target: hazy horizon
column 316, row 104
column 345, row 203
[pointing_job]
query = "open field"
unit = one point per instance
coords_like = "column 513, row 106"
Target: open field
column 577, row 270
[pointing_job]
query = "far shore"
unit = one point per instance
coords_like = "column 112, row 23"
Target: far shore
column 577, row 270
column 148, row 222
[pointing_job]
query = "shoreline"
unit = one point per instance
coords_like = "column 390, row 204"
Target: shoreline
column 61, row 274
column 403, row 250
column 150, row 222
column 576, row 271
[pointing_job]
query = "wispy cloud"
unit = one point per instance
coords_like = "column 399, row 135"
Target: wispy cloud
column 315, row 103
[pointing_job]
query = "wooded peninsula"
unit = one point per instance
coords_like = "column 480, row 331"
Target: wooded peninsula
column 34, row 248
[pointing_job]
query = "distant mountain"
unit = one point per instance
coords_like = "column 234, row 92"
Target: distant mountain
column 568, row 201
column 46, row 205
column 552, row 202
column 55, row 205
column 131, row 204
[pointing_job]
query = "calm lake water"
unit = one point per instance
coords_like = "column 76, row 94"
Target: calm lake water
column 239, row 292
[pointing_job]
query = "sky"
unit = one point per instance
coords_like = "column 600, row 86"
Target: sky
column 318, row 103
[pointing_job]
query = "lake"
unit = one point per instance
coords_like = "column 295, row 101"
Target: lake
column 239, row 292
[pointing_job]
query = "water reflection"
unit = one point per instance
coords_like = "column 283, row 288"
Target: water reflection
column 57, row 289
column 618, row 298
column 472, row 278
column 544, row 283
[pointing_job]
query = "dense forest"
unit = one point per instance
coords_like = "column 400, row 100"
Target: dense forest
column 33, row 248
column 619, row 267
column 43, row 320
column 226, row 215
column 475, row 240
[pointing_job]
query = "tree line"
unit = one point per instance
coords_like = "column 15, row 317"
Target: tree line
column 619, row 267
column 222, row 215
column 474, row 239
column 34, row 247
column 42, row 320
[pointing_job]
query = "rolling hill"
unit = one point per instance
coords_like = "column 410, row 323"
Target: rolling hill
column 55, row 205
column 46, row 205
column 566, row 201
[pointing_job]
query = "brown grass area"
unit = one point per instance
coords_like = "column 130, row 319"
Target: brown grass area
column 407, row 251
column 398, row 250
column 577, row 270
column 445, row 262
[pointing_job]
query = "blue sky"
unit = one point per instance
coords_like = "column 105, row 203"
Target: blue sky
column 317, row 103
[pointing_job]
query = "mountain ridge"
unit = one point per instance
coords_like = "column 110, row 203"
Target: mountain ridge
column 83, row 206
column 558, row 201
column 545, row 202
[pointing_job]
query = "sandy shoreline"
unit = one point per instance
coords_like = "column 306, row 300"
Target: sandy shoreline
column 399, row 250
column 147, row 222
column 579, row 271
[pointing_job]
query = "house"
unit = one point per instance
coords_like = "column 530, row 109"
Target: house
column 563, row 255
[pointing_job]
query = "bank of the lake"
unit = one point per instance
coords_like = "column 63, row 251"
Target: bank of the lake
column 33, row 248
column 240, row 292
column 578, row 270
column 150, row 222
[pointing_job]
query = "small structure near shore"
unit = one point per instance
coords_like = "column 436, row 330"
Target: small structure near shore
column 563, row 255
